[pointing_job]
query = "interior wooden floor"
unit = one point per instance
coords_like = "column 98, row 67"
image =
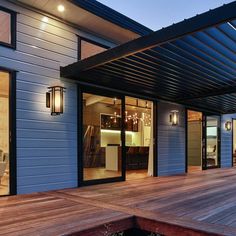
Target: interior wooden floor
column 102, row 173
column 192, row 169
column 4, row 190
column 200, row 203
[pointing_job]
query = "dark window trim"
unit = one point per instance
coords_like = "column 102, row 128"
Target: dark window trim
column 106, row 92
column 13, row 15
column 232, row 140
column 12, row 130
column 81, row 181
column 205, row 167
column 186, row 139
column 80, row 38
column 204, row 115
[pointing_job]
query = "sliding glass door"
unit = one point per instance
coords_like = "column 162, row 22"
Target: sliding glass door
column 102, row 137
column 212, row 142
column 139, row 138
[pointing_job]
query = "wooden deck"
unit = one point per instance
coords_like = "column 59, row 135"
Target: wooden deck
column 201, row 203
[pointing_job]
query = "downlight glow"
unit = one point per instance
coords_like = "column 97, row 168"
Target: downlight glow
column 61, row 8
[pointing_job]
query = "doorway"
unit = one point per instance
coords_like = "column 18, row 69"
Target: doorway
column 139, row 141
column 203, row 141
column 194, row 142
column 211, row 157
column 234, row 142
column 117, row 141
column 102, row 138
column 7, row 133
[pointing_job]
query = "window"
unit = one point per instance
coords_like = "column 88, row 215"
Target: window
column 88, row 48
column 8, row 28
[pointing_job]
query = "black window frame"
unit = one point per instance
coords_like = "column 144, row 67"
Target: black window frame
column 12, row 131
column 93, row 89
column 13, row 15
column 80, row 38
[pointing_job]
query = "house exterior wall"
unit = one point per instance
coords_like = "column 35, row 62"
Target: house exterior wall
column 226, row 141
column 46, row 145
column 171, row 140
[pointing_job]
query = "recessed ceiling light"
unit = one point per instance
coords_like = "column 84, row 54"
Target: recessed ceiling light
column 60, row 8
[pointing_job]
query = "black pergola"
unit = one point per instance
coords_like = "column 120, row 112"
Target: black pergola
column 192, row 62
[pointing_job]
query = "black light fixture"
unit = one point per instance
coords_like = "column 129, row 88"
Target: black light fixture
column 54, row 99
column 228, row 125
column 174, row 117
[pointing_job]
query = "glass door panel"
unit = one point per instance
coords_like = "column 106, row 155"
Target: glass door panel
column 234, row 143
column 139, row 138
column 212, row 141
column 4, row 133
column 102, row 145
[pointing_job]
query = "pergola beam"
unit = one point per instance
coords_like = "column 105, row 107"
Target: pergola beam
column 175, row 31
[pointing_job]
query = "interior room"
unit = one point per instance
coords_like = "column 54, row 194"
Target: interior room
column 212, row 123
column 102, row 147
column 139, row 138
column 4, row 133
column 194, row 141
column 234, row 142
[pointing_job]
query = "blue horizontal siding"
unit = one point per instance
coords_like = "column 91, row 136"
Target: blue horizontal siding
column 46, row 145
column 226, row 141
column 171, row 141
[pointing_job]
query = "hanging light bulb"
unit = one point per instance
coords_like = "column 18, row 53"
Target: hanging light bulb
column 126, row 116
column 115, row 120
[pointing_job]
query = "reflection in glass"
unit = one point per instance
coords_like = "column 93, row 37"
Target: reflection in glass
column 234, row 142
column 5, row 29
column 212, row 141
column 139, row 138
column 194, row 143
column 4, row 133
column 89, row 49
column 101, row 137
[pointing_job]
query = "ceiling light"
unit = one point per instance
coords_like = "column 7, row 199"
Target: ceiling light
column 61, row 8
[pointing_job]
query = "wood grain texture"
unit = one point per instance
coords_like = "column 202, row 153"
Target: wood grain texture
column 197, row 204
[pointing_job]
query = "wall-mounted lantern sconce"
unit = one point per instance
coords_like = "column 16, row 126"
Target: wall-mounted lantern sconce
column 174, row 117
column 228, row 125
column 54, row 99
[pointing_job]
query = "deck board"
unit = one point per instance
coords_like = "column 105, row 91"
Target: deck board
column 200, row 203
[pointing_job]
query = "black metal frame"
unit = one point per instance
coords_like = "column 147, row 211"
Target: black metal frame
column 204, row 140
column 50, row 99
column 12, row 130
column 232, row 140
column 81, row 181
column 194, row 24
column 132, row 66
column 13, row 15
column 155, row 138
column 186, row 139
column 107, row 92
column 205, row 167
column 80, row 38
